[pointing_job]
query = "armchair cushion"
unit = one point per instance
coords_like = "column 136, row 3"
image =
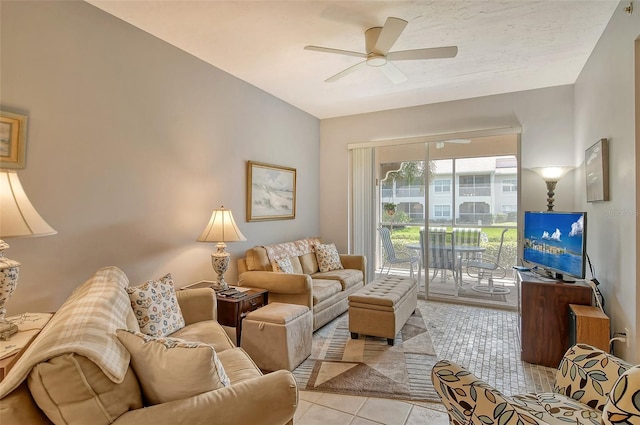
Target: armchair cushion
column 171, row 368
column 70, row 388
column 156, row 307
column 623, row 406
column 587, row 375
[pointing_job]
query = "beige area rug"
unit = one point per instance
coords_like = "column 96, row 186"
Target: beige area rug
column 368, row 366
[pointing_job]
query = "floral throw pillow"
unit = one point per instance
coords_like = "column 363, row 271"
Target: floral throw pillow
column 283, row 265
column 156, row 307
column 171, row 368
column 328, row 257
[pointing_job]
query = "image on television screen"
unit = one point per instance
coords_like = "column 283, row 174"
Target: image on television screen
column 555, row 240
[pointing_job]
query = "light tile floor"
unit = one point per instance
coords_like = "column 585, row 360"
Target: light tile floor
column 485, row 340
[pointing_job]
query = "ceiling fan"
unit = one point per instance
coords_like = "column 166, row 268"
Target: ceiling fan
column 440, row 145
column 378, row 42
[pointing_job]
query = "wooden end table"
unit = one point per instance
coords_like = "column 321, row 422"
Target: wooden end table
column 231, row 311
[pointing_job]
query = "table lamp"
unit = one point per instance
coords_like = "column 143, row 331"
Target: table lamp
column 221, row 228
column 17, row 218
column 551, row 176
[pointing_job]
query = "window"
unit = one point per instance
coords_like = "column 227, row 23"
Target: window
column 442, row 211
column 510, row 185
column 475, row 185
column 509, row 208
column 442, row 185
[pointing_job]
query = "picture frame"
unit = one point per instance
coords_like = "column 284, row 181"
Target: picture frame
column 596, row 163
column 13, row 140
column 271, row 192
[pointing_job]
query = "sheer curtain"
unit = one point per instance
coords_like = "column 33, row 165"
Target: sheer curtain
column 362, row 220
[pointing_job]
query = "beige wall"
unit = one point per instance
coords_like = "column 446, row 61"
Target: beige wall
column 604, row 107
column 131, row 144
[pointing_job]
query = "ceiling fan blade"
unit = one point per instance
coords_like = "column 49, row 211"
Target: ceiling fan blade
column 391, row 30
column 393, row 73
column 346, row 72
column 431, row 53
column 336, row 51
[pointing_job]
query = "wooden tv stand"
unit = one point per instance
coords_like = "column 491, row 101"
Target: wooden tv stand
column 543, row 309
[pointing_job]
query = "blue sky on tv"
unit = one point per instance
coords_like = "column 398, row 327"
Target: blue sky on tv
column 557, row 229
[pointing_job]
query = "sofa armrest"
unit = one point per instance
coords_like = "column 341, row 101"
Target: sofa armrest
column 270, row 399
column 622, row 406
column 587, row 374
column 470, row 400
column 357, row 262
column 279, row 283
column 197, row 305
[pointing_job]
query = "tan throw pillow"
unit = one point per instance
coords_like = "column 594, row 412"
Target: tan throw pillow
column 156, row 307
column 171, row 368
column 328, row 257
column 283, row 265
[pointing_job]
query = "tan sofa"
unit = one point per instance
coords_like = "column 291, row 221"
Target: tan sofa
column 77, row 372
column 325, row 293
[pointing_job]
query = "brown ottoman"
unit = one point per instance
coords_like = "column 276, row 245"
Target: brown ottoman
column 382, row 307
column 278, row 336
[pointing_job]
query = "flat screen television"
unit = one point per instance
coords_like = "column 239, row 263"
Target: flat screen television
column 557, row 242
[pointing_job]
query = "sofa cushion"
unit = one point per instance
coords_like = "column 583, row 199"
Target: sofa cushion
column 156, row 307
column 257, row 259
column 172, row 368
column 309, row 263
column 324, row 289
column 70, row 388
column 346, row 277
column 328, row 257
column 209, row 332
column 296, row 265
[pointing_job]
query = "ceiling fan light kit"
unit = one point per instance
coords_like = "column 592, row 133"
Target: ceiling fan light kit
column 378, row 42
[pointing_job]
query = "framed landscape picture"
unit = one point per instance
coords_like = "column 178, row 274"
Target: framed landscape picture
column 271, row 192
column 13, row 140
column 596, row 162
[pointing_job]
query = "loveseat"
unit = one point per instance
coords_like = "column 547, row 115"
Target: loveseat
column 324, row 286
column 591, row 387
column 77, row 371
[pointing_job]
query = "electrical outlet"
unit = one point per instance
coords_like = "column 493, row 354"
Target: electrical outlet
column 627, row 336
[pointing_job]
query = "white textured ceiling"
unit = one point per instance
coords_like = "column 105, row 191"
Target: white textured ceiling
column 504, row 46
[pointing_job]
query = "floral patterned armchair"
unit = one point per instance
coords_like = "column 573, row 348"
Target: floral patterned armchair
column 591, row 388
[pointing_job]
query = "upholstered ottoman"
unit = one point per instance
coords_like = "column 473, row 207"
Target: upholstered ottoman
column 278, row 336
column 382, row 307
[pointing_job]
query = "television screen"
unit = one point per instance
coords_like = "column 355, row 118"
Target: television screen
column 556, row 241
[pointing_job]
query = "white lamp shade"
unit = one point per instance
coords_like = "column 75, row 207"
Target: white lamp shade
column 221, row 228
column 17, row 216
column 554, row 173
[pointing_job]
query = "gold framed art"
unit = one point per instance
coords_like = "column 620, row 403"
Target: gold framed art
column 13, row 140
column 271, row 192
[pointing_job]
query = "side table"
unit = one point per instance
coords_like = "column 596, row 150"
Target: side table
column 29, row 326
column 231, row 311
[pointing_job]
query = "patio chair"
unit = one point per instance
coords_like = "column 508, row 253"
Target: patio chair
column 464, row 236
column 392, row 257
column 486, row 266
column 438, row 256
